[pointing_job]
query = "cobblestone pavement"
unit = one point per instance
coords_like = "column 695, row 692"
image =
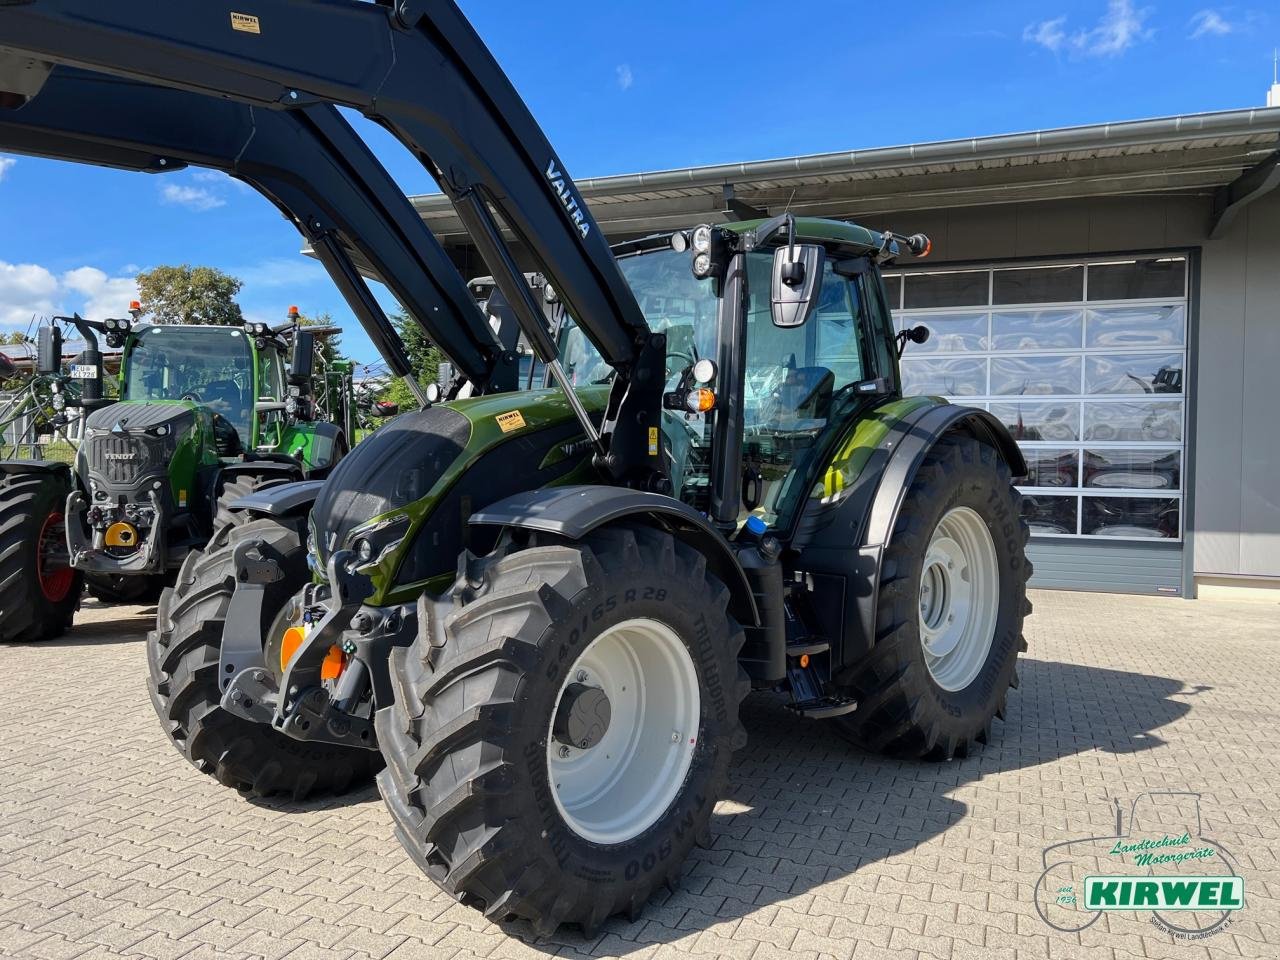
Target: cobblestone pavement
column 110, row 845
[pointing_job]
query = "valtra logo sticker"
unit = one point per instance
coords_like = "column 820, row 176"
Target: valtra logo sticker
column 1159, row 867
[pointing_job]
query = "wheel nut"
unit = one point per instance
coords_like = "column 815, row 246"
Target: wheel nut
column 582, row 676
column 564, row 752
column 675, row 737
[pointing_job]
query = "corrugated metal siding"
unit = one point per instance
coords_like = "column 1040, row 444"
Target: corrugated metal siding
column 1120, row 567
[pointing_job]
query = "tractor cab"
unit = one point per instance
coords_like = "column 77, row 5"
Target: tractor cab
column 215, row 367
column 805, row 361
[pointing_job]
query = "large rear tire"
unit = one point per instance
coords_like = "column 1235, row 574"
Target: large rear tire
column 618, row 644
column 183, row 652
column 950, row 611
column 39, row 591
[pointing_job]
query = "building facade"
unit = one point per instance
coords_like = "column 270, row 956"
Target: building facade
column 1111, row 292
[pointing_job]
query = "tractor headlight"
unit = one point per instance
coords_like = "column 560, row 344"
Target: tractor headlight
column 59, row 402
column 291, row 406
column 160, row 431
column 372, row 543
column 109, row 324
column 702, row 238
column 702, row 265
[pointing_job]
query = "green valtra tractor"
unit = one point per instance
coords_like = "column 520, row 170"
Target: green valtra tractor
column 206, row 414
column 540, row 611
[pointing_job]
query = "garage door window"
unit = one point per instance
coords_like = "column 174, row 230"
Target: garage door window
column 1084, row 363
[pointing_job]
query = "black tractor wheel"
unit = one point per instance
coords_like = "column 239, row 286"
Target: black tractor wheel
column 235, row 488
column 950, row 610
column 563, row 727
column 183, row 651
column 110, row 588
column 39, row 591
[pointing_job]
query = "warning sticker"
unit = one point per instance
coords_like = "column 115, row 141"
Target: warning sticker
column 653, row 441
column 510, row 421
column 245, row 23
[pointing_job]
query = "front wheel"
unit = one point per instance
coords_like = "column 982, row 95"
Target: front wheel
column 563, row 727
column 950, row 608
column 183, row 654
column 39, row 590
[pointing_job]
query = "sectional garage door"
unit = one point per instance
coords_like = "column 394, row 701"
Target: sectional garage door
column 1083, row 361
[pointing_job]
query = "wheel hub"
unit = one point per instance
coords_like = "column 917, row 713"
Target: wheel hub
column 623, row 732
column 583, row 717
column 959, row 598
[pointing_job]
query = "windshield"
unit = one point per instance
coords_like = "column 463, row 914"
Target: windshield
column 211, row 365
column 793, row 378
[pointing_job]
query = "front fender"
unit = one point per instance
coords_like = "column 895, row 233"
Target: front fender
column 573, row 512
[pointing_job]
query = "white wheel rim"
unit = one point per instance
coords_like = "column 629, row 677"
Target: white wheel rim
column 615, row 790
column 959, row 598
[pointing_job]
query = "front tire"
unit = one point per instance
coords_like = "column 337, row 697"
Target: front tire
column 477, row 744
column 183, row 652
column 950, row 610
column 39, row 591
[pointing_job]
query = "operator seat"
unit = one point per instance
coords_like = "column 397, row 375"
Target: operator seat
column 806, row 392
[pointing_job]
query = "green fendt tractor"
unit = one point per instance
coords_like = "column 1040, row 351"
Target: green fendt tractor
column 206, row 414
column 541, row 610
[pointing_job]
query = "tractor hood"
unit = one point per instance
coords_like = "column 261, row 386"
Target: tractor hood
column 128, row 448
column 405, row 477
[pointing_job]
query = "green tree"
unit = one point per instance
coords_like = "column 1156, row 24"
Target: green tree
column 13, row 337
column 424, row 357
column 187, row 294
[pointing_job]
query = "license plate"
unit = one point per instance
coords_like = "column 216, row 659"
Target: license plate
column 84, row 371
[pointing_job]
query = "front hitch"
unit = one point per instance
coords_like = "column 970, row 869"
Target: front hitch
column 91, row 556
column 306, row 710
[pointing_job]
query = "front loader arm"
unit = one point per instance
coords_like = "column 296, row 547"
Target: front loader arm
column 419, row 69
column 309, row 162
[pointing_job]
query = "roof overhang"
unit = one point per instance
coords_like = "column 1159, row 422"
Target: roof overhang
column 1197, row 154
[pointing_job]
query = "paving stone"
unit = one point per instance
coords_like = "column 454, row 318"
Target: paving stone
column 820, row 852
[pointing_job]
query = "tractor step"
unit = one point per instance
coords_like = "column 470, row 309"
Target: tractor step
column 822, row 708
column 807, row 645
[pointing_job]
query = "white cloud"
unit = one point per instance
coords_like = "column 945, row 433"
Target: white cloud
column 29, row 290
column 104, row 296
column 625, row 77
column 194, row 198
column 1048, row 33
column 26, row 290
column 6, row 164
column 1121, row 27
column 1210, row 23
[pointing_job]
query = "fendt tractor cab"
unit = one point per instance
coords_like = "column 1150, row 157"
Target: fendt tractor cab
column 207, row 413
column 540, row 610
column 200, row 416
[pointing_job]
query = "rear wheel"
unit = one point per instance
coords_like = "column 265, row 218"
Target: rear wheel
column 563, row 727
column 950, row 610
column 235, row 488
column 39, row 591
column 183, row 652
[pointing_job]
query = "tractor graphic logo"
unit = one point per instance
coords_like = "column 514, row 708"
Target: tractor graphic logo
column 1159, row 864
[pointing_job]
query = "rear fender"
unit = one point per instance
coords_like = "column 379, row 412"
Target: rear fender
column 573, row 512
column 51, row 468
column 865, row 518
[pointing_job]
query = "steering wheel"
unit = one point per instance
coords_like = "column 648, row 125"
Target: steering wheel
column 191, row 395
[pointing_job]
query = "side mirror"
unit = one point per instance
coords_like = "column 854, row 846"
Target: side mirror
column 303, row 358
column 49, row 351
column 7, row 369
column 797, row 276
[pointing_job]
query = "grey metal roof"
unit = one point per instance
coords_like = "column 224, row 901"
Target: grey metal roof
column 1186, row 154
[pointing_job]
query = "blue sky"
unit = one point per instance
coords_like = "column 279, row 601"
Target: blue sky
column 624, row 87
